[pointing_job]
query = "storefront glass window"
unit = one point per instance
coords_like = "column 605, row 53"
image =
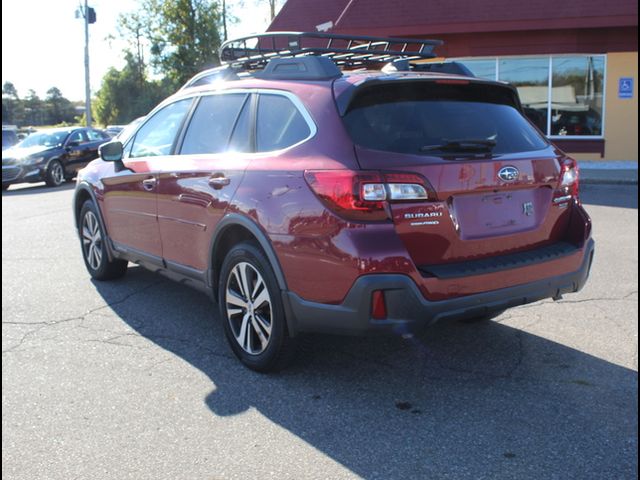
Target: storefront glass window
column 576, row 95
column 577, row 90
column 482, row 68
column 531, row 77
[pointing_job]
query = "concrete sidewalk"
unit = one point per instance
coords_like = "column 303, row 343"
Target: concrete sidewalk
column 609, row 173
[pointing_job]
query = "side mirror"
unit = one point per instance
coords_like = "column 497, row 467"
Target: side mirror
column 72, row 144
column 111, row 151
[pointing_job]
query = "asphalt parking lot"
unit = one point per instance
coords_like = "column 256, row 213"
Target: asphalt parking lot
column 134, row 379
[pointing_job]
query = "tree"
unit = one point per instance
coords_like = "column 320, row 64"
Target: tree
column 273, row 6
column 58, row 108
column 12, row 108
column 34, row 109
column 184, row 37
column 124, row 96
column 132, row 27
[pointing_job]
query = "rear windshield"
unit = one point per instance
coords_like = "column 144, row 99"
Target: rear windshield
column 418, row 117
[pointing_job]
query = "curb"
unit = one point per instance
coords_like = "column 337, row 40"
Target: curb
column 608, row 181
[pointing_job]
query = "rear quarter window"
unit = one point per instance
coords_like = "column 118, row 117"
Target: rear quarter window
column 279, row 124
column 416, row 118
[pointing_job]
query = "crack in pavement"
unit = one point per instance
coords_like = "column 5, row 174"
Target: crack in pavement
column 49, row 323
column 586, row 300
column 154, row 338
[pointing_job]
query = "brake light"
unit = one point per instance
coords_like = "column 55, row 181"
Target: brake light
column 340, row 191
column 378, row 305
column 569, row 178
column 364, row 195
column 450, row 81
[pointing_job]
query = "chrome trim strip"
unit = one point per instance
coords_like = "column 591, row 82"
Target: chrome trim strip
column 566, row 198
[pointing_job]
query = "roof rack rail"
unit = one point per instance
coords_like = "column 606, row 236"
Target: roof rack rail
column 211, row 75
column 346, row 51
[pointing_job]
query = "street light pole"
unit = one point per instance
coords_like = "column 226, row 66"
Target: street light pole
column 87, row 85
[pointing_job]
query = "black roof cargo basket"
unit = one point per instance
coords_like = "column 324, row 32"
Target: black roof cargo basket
column 346, row 51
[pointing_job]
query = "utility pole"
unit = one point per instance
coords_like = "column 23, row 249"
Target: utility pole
column 87, row 84
column 89, row 16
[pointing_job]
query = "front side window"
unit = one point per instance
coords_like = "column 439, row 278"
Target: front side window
column 280, row 124
column 156, row 137
column 211, row 125
column 241, row 136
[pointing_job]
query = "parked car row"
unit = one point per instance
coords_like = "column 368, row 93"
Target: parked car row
column 52, row 155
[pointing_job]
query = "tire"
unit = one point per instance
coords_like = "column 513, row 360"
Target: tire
column 94, row 252
column 257, row 332
column 55, row 174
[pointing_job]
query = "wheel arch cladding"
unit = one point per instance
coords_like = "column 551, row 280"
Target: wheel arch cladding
column 231, row 230
column 81, row 196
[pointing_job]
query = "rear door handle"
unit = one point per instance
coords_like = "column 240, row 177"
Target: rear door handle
column 149, row 183
column 219, row 182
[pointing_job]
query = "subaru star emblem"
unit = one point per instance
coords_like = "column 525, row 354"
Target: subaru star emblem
column 508, row 174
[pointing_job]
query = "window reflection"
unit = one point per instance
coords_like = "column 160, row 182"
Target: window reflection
column 576, row 95
column 482, row 68
column 577, row 90
column 531, row 77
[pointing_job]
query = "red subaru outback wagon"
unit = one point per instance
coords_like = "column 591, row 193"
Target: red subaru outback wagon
column 309, row 190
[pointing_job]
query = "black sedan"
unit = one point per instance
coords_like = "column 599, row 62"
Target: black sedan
column 52, row 155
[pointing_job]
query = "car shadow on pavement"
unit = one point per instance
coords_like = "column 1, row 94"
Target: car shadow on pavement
column 36, row 188
column 459, row 401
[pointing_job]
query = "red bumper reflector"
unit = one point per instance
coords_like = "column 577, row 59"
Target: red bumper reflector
column 378, row 306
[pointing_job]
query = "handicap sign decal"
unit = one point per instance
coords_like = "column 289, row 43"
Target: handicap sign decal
column 625, row 87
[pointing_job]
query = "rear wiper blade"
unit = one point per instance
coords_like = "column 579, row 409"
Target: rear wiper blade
column 467, row 144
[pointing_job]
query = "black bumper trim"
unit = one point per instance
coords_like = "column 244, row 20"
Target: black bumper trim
column 500, row 262
column 409, row 311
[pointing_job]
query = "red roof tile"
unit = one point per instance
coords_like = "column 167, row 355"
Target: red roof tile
column 433, row 17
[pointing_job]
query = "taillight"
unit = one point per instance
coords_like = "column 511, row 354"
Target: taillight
column 569, row 178
column 364, row 195
column 378, row 305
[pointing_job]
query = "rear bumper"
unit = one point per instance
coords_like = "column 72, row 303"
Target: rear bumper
column 408, row 310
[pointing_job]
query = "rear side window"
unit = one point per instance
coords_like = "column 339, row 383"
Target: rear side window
column 212, row 123
column 417, row 118
column 280, row 124
column 95, row 135
column 157, row 135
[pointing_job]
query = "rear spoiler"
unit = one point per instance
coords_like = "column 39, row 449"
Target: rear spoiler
column 343, row 101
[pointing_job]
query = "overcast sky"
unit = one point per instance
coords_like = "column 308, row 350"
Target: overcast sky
column 43, row 43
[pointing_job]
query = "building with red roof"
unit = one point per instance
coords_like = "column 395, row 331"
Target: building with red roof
column 575, row 62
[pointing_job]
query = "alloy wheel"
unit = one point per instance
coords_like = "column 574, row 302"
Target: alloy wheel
column 249, row 309
column 57, row 173
column 92, row 240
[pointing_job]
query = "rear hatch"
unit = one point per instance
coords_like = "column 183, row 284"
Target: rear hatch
column 493, row 181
